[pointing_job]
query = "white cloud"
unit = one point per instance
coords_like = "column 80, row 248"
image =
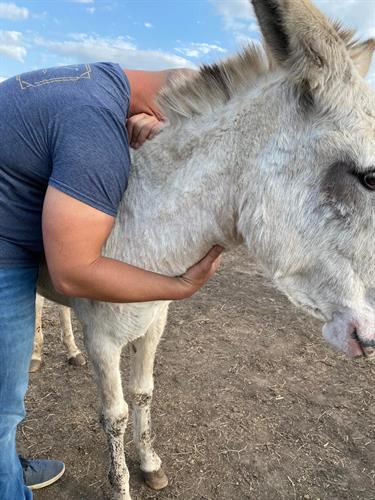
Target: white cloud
column 199, row 49
column 82, row 47
column 148, row 25
column 235, row 9
column 82, row 1
column 238, row 18
column 2, row 78
column 188, row 52
column 357, row 14
column 91, row 10
column 40, row 15
column 13, row 12
column 10, row 45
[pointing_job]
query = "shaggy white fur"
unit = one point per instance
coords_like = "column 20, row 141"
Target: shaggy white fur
column 273, row 155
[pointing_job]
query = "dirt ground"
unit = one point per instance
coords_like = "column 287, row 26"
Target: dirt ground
column 249, row 403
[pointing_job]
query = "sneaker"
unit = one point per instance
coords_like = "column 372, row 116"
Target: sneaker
column 41, row 473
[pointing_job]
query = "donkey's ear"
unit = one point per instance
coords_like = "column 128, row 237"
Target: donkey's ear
column 301, row 40
column 271, row 19
column 361, row 55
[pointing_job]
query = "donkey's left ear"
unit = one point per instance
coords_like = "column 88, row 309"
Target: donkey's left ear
column 361, row 55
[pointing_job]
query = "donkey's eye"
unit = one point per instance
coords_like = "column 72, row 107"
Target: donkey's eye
column 368, row 180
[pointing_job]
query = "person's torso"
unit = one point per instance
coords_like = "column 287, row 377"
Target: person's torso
column 30, row 107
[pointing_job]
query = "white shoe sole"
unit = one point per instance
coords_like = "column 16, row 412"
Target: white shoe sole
column 47, row 483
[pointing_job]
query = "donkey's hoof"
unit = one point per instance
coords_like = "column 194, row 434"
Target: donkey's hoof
column 35, row 365
column 78, row 360
column 156, row 480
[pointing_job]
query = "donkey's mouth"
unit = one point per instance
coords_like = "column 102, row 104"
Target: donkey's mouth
column 367, row 346
column 342, row 333
column 354, row 346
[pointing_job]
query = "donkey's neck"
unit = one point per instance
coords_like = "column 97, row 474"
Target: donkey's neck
column 183, row 194
column 173, row 211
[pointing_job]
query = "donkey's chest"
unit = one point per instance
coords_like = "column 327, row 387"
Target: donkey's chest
column 123, row 322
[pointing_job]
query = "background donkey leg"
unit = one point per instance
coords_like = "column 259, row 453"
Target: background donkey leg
column 75, row 357
column 36, row 358
column 142, row 355
column 105, row 357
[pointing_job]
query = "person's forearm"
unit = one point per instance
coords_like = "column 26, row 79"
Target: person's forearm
column 114, row 281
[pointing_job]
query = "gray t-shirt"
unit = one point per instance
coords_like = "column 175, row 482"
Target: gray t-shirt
column 63, row 127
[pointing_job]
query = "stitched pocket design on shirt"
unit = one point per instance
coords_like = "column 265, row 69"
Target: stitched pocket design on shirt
column 61, row 74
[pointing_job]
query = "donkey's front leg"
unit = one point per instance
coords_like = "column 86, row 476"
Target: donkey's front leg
column 141, row 386
column 36, row 358
column 75, row 357
column 105, row 357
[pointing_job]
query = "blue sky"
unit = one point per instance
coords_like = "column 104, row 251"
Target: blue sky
column 148, row 34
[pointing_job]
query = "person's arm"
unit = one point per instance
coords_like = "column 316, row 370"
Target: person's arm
column 74, row 234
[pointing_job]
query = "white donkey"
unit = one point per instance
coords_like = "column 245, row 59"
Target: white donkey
column 275, row 152
column 75, row 357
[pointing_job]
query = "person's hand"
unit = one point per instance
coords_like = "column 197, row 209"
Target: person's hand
column 141, row 127
column 197, row 275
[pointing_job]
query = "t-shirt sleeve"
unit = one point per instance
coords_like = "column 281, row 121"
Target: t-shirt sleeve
column 90, row 157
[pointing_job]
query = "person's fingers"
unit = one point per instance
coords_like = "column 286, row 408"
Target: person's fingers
column 212, row 256
column 142, row 127
column 216, row 264
column 132, row 125
column 155, row 129
column 142, row 130
column 137, row 128
column 129, row 128
column 197, row 275
column 206, row 267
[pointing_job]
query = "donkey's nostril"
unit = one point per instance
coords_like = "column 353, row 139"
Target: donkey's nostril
column 354, row 336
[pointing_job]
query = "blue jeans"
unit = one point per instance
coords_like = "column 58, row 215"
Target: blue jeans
column 17, row 323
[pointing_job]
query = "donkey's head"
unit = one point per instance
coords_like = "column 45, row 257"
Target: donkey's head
column 315, row 222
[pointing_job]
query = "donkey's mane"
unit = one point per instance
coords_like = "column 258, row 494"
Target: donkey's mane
column 346, row 34
column 186, row 96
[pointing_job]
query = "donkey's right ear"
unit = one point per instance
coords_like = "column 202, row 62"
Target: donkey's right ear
column 301, row 40
column 271, row 21
column 361, row 55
